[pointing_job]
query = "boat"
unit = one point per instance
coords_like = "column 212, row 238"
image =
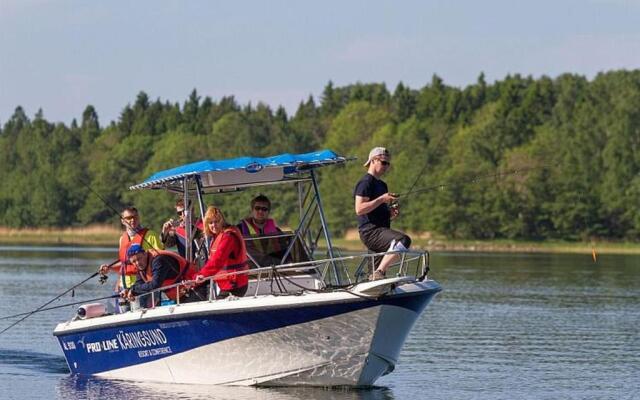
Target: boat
column 310, row 316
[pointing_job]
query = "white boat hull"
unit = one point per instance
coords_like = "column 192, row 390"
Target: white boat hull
column 324, row 339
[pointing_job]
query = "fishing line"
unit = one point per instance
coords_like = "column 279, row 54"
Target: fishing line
column 71, row 289
column 474, row 179
column 479, row 178
column 426, row 164
column 113, row 296
column 122, row 221
column 101, row 198
column 28, row 314
column 116, row 212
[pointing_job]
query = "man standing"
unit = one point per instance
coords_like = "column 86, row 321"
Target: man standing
column 174, row 233
column 372, row 206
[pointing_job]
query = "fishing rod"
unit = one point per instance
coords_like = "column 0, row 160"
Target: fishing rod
column 101, row 198
column 113, row 296
column 474, row 179
column 424, row 167
column 395, row 204
column 418, row 176
column 116, row 212
column 27, row 315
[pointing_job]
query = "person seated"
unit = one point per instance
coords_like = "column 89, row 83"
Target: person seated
column 174, row 232
column 156, row 269
column 227, row 254
column 259, row 223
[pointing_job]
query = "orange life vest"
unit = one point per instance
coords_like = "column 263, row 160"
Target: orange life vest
column 128, row 271
column 186, row 270
column 237, row 262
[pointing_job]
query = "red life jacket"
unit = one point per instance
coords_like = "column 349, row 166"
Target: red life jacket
column 186, row 270
column 125, row 267
column 182, row 232
column 235, row 263
column 181, row 237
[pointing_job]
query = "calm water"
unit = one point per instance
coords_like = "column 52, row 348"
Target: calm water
column 505, row 327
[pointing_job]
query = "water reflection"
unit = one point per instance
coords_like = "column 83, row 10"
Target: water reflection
column 93, row 388
column 40, row 362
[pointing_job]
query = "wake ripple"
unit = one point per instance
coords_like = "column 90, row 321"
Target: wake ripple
column 40, row 362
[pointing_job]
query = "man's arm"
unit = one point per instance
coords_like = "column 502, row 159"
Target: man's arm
column 364, row 206
column 159, row 274
column 168, row 238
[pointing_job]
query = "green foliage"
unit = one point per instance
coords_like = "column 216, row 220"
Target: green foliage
column 575, row 141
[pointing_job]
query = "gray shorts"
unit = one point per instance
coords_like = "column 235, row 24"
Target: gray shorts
column 378, row 240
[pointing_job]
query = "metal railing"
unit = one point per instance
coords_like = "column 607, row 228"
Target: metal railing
column 356, row 265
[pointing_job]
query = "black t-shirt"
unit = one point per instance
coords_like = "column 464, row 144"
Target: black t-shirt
column 371, row 187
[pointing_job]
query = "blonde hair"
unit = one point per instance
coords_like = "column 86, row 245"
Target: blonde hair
column 213, row 214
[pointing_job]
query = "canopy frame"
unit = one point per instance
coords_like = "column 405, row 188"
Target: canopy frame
column 193, row 181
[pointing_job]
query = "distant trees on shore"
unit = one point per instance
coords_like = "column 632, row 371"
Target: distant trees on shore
column 575, row 143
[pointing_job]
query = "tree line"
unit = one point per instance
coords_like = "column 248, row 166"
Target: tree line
column 523, row 158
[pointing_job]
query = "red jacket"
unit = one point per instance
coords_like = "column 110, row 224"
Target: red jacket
column 227, row 254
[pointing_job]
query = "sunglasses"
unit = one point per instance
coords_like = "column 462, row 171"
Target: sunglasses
column 180, row 213
column 259, row 208
column 385, row 163
column 130, row 217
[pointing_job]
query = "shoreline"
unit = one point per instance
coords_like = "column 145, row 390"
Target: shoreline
column 504, row 246
column 105, row 235
column 92, row 235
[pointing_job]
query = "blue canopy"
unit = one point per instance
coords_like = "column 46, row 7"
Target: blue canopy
column 242, row 171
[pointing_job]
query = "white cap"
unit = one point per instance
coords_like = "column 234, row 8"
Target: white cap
column 377, row 151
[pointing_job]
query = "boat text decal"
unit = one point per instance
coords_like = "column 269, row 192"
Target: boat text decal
column 133, row 340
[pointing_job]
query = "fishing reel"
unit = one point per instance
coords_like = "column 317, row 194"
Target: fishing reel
column 102, row 279
column 395, row 204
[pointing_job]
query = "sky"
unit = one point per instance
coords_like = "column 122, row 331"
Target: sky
column 60, row 56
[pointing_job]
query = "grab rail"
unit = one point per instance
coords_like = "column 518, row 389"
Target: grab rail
column 421, row 258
